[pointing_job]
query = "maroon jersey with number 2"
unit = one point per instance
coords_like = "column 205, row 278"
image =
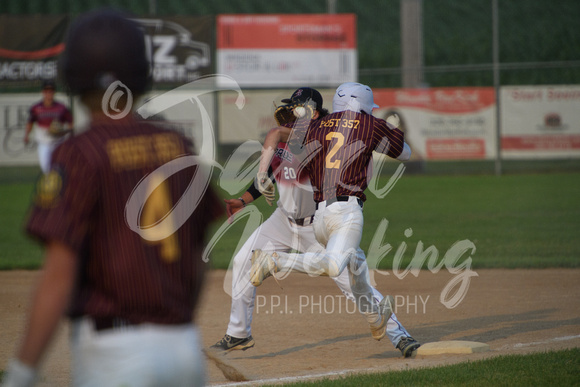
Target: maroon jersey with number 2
column 337, row 150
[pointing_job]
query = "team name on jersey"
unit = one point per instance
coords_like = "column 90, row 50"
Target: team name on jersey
column 49, row 114
column 284, row 154
column 340, row 123
column 136, row 152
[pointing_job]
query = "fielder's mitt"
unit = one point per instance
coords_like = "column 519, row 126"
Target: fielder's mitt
column 287, row 114
column 394, row 120
column 56, row 129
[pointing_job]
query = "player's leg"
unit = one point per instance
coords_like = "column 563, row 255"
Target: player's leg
column 300, row 238
column 395, row 331
column 44, row 154
column 337, row 228
column 344, row 220
column 270, row 235
column 342, row 227
column 400, row 338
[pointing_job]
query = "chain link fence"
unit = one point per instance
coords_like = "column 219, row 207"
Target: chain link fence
column 537, row 44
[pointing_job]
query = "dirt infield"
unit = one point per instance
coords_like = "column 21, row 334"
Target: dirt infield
column 307, row 328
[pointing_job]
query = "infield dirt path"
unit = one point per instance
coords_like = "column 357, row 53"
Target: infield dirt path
column 307, row 328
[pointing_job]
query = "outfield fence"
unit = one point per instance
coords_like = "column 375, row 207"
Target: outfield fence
column 471, row 81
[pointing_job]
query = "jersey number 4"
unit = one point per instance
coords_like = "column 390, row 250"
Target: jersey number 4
column 158, row 211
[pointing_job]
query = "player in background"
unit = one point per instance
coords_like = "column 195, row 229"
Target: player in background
column 288, row 228
column 118, row 262
column 336, row 151
column 54, row 122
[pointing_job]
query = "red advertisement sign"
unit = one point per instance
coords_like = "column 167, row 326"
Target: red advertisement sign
column 309, row 31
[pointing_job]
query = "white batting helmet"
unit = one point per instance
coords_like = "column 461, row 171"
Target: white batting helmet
column 353, row 96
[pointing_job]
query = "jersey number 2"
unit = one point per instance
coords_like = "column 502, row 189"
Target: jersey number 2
column 331, row 161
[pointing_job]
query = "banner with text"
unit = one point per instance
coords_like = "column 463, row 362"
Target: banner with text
column 29, row 48
column 443, row 123
column 179, row 47
column 287, row 50
column 540, row 121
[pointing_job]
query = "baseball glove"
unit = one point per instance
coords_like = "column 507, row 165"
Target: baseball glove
column 287, row 114
column 56, row 129
column 394, row 120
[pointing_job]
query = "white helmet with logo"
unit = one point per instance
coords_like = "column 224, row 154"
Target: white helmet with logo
column 353, row 96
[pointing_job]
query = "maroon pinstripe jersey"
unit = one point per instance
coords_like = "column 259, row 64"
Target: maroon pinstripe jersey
column 44, row 115
column 338, row 151
column 82, row 202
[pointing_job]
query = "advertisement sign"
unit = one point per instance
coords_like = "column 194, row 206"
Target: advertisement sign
column 179, row 47
column 29, row 48
column 443, row 123
column 257, row 116
column 287, row 50
column 540, row 121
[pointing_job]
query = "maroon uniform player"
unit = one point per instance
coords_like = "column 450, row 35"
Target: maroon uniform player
column 122, row 262
column 336, row 151
column 342, row 145
column 48, row 114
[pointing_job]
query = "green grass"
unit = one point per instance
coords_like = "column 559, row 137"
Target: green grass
column 514, row 220
column 555, row 368
column 16, row 250
column 518, row 220
column 561, row 368
column 529, row 220
column 523, row 220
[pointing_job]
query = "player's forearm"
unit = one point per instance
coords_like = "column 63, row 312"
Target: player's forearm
column 247, row 197
column 406, row 153
column 28, row 129
column 274, row 136
column 50, row 301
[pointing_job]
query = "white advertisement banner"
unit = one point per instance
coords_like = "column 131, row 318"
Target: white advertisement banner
column 14, row 112
column 287, row 50
column 540, row 121
column 257, row 116
column 176, row 110
column 443, row 123
column 292, row 67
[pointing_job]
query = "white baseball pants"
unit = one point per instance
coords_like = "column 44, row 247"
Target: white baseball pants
column 139, row 356
column 278, row 234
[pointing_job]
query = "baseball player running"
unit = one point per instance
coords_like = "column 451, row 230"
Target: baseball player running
column 118, row 262
column 289, row 228
column 53, row 122
column 336, row 151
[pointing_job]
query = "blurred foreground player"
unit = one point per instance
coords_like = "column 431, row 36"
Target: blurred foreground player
column 120, row 262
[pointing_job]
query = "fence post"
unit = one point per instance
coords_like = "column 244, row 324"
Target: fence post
column 496, row 84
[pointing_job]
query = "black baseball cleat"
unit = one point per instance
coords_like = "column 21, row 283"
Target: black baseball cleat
column 230, row 343
column 408, row 345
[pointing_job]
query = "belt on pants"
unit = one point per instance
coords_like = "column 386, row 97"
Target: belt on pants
column 106, row 323
column 340, row 199
column 118, row 323
column 302, row 221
